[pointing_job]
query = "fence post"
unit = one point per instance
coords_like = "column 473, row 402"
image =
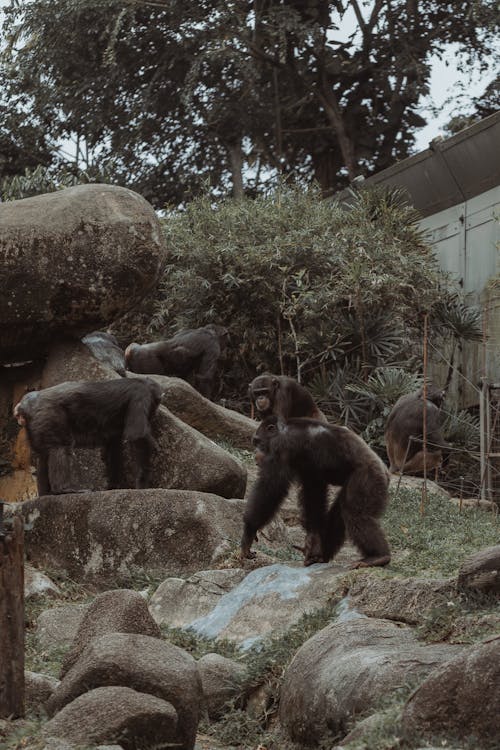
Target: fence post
column 11, row 617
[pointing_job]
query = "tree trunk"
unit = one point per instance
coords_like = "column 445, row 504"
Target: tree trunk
column 236, row 164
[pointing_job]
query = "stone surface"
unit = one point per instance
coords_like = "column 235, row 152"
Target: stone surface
column 221, row 681
column 148, row 665
column 211, row 419
column 461, row 698
column 270, row 600
column 116, row 714
column 346, row 668
column 72, row 261
column 178, row 601
column 116, row 611
column 481, row 571
column 37, row 583
column 57, row 626
column 38, row 688
column 116, row 534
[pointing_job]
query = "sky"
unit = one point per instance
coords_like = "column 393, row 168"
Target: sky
column 439, row 107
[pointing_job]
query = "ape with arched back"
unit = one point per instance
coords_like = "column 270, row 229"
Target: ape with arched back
column 404, row 432
column 106, row 414
column 283, row 397
column 193, row 355
column 317, row 455
column 105, row 347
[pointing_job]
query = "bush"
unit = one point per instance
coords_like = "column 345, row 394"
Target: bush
column 305, row 286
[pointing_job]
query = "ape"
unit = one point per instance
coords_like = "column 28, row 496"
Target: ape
column 318, row 455
column 283, row 397
column 106, row 349
column 193, row 355
column 404, row 432
column 91, row 414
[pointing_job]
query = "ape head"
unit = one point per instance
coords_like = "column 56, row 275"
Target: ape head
column 262, row 392
column 268, row 428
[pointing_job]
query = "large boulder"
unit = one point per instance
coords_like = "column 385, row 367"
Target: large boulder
column 347, row 668
column 115, row 611
column 115, row 714
column 211, row 419
column 460, row 698
column 72, row 261
column 116, row 534
column 148, row 665
column 481, row 571
column 186, row 459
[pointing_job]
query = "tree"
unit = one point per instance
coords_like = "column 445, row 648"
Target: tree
column 172, row 95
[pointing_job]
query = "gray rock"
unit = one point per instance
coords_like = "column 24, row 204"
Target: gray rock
column 346, row 668
column 179, row 601
column 481, row 571
column 461, row 698
column 221, row 682
column 211, row 419
column 37, row 584
column 72, row 261
column 148, row 665
column 57, row 627
column 118, row 611
column 116, row 714
column 116, row 534
column 185, row 459
column 401, row 599
column 38, row 688
column 270, row 600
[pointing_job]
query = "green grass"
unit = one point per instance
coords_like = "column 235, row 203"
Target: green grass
column 437, row 541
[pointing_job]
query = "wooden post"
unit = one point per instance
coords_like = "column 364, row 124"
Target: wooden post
column 11, row 618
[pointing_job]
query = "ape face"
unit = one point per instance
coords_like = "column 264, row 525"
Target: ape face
column 262, row 438
column 262, row 392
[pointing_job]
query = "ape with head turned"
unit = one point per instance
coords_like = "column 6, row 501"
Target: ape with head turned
column 283, row 397
column 404, row 432
column 193, row 355
column 317, row 455
column 108, row 414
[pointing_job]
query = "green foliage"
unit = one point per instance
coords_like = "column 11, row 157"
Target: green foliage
column 305, row 286
column 44, row 180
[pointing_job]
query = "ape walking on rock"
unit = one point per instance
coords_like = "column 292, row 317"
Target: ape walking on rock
column 404, row 432
column 108, row 414
column 283, row 397
column 318, row 455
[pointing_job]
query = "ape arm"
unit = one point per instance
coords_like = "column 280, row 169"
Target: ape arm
column 267, row 495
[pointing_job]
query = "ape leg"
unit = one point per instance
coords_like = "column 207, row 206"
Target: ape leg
column 334, row 532
column 366, row 533
column 267, row 495
column 112, row 454
column 416, row 462
column 141, row 450
column 42, row 474
column 313, row 502
column 362, row 501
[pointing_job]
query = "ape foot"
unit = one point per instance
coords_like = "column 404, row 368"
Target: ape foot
column 371, row 562
column 313, row 549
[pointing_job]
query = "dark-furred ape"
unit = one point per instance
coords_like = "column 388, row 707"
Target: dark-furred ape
column 404, row 432
column 283, row 397
column 318, row 455
column 193, row 355
column 106, row 414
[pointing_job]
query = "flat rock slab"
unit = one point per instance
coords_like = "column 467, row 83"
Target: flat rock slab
column 73, row 261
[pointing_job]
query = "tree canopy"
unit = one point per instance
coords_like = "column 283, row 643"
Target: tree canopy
column 170, row 96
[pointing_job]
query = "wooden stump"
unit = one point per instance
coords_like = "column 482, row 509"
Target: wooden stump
column 12, row 621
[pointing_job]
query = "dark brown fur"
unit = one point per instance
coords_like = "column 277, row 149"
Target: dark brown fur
column 404, row 432
column 283, row 397
column 87, row 415
column 193, row 355
column 318, row 455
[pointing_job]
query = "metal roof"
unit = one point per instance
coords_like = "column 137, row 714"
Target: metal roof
column 450, row 171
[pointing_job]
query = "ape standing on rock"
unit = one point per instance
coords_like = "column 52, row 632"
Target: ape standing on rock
column 90, row 414
column 404, row 432
column 318, row 455
column 283, row 397
column 192, row 355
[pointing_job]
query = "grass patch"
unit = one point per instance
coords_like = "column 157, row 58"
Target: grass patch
column 435, row 542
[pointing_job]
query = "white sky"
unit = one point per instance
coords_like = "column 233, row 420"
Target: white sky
column 439, row 106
